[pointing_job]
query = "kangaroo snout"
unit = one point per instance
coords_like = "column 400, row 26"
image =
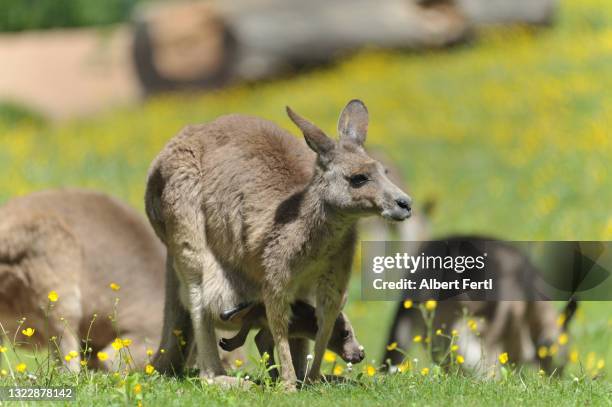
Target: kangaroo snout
column 355, row 355
column 400, row 210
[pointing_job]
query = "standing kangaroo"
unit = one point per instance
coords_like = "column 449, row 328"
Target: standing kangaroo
column 248, row 213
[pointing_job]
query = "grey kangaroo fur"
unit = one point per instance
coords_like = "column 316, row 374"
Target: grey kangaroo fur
column 302, row 325
column 249, row 213
column 76, row 243
column 516, row 327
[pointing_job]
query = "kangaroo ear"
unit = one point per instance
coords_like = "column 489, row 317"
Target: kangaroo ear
column 315, row 138
column 353, row 122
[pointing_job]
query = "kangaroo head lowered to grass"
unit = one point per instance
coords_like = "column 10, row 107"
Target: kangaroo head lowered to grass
column 249, row 213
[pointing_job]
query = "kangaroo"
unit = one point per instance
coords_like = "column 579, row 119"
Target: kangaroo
column 516, row 327
column 77, row 242
column 249, row 213
column 303, row 325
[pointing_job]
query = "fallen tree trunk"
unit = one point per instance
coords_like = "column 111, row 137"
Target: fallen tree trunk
column 258, row 39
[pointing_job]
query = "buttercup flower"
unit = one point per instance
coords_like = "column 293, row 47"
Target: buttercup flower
column 3, row 372
column 417, row 339
column 454, row 348
column 126, row 342
column 149, row 369
column 392, row 346
column 563, row 339
column 370, row 370
column 329, row 356
column 438, row 332
column 73, row 353
column 425, row 371
column 53, row 297
column 601, row 364
column 503, row 358
column 573, row 356
column 68, row 358
column 472, row 325
column 3, row 349
column 431, row 305
column 21, row 367
column 542, row 352
column 454, row 332
column 102, row 356
column 28, row 332
column 408, row 304
column 117, row 344
column 404, row 366
column 238, row 363
column 338, row 370
column 149, row 352
column 137, row 388
column 460, row 359
column 114, row 286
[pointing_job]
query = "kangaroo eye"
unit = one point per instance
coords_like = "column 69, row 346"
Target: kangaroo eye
column 345, row 334
column 386, row 171
column 358, row 180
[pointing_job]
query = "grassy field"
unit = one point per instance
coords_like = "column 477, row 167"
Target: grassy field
column 511, row 136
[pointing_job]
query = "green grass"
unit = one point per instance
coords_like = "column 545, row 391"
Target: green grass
column 511, row 136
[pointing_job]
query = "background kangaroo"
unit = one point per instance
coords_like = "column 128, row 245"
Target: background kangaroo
column 516, row 327
column 245, row 208
column 76, row 243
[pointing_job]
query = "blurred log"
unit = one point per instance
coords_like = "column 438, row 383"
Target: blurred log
column 479, row 12
column 208, row 44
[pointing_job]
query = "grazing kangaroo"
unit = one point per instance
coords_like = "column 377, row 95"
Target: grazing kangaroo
column 303, row 325
column 516, row 327
column 77, row 242
column 249, row 213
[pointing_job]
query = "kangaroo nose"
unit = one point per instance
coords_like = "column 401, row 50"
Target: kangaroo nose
column 403, row 203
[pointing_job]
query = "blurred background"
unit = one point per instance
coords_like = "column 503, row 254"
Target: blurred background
column 499, row 111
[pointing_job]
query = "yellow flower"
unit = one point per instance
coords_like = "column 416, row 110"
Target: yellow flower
column 601, row 364
column 472, row 325
column 73, row 353
column 430, row 305
column 454, row 348
column 454, row 332
column 21, row 367
column 68, row 358
column 162, row 350
column 404, row 366
column 563, row 339
column 425, row 371
column 149, row 352
column 52, row 296
column 503, row 358
column 329, row 356
column 370, row 370
column 117, row 344
column 408, row 304
column 338, row 370
column 542, row 352
column 541, row 372
column 238, row 362
column 126, row 342
column 417, row 339
column 114, row 286
column 3, row 349
column 392, row 346
column 3, row 372
column 28, row 332
column 83, row 363
column 102, row 356
column 137, row 388
column 460, row 359
column 560, row 320
column 149, row 369
column 438, row 332
column 573, row 356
